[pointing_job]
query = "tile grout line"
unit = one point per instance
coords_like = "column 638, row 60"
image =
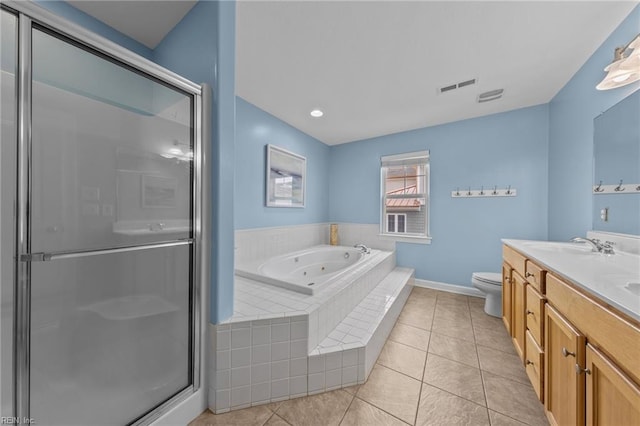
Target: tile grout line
column 353, row 397
column 415, row 418
column 484, row 390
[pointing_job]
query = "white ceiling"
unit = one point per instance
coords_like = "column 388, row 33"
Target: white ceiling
column 147, row 21
column 374, row 67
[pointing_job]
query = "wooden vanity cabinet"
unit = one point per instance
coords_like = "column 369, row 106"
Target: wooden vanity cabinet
column 564, row 389
column 612, row 399
column 506, row 296
column 592, row 363
column 581, row 355
column 518, row 315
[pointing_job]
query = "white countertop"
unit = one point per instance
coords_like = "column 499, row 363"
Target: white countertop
column 615, row 279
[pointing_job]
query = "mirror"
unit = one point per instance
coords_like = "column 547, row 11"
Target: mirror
column 616, row 190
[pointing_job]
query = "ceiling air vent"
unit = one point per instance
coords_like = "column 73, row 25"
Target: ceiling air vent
column 491, row 95
column 467, row 83
column 455, row 86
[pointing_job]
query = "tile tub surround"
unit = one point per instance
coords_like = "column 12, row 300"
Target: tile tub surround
column 254, row 300
column 262, row 360
column 487, row 391
column 263, row 243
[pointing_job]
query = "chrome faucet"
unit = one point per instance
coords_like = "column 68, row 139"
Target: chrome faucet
column 158, row 226
column 598, row 247
column 364, row 249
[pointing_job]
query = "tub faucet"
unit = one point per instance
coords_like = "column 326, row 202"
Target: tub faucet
column 598, row 247
column 364, row 249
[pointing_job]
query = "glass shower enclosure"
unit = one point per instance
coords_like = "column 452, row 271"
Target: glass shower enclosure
column 100, row 229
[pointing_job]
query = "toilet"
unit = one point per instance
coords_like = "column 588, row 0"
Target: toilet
column 490, row 283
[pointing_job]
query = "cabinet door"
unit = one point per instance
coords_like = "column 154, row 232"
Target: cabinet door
column 518, row 315
column 612, row 398
column 563, row 386
column 534, row 365
column 506, row 296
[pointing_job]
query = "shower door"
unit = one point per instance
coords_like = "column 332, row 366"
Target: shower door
column 107, row 235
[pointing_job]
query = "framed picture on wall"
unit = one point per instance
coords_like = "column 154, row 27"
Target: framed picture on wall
column 286, row 176
column 158, row 192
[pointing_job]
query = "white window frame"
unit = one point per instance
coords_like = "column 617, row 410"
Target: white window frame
column 409, row 158
column 395, row 223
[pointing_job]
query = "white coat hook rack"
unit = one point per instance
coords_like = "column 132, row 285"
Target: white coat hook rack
column 620, row 188
column 482, row 192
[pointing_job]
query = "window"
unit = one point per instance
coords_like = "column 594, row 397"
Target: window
column 405, row 196
column 396, row 223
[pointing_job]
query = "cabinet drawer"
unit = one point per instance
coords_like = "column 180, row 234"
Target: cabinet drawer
column 534, row 363
column 515, row 259
column 535, row 276
column 535, row 313
column 605, row 329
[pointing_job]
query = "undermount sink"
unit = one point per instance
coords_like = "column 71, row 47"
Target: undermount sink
column 573, row 248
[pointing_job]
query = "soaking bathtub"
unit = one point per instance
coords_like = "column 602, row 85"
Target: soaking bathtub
column 306, row 271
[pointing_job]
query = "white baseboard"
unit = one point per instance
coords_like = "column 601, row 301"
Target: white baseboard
column 451, row 288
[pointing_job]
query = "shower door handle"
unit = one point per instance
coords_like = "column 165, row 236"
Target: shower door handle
column 44, row 257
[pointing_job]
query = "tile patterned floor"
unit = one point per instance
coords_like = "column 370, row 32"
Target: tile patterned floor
column 445, row 363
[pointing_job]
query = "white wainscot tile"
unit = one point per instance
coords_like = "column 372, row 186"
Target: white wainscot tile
column 223, row 360
column 350, row 357
column 223, row 400
column 261, row 373
column 240, row 397
column 279, row 351
column 280, row 332
column 333, row 360
column 316, row 383
column 280, row 369
column 240, row 357
column 299, row 330
column 279, row 389
column 298, row 386
column 316, row 364
column 333, row 379
column 223, row 340
column 298, row 367
column 260, row 393
column 240, row 338
column 260, row 335
column 260, row 354
column 349, row 375
column 223, row 379
column 240, row 377
column 298, row 348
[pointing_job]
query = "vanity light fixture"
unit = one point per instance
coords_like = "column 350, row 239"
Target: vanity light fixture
column 316, row 113
column 625, row 68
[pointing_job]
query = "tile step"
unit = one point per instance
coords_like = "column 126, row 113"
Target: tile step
column 362, row 332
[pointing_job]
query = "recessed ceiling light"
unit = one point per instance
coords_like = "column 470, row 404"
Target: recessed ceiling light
column 316, row 113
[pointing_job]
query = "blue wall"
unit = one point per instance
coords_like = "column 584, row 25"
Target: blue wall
column 501, row 149
column 571, row 114
column 255, row 129
column 202, row 48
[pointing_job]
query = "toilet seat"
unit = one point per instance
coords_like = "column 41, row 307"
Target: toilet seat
column 487, row 278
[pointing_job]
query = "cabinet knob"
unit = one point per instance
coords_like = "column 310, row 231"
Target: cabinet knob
column 531, row 313
column 529, row 362
column 566, row 353
column 528, row 274
column 580, row 370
